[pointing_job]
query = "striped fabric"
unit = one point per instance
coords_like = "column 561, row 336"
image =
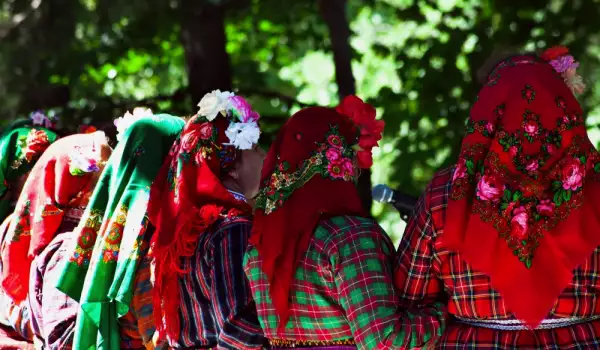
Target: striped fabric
column 343, row 290
column 217, row 308
column 428, row 274
column 53, row 312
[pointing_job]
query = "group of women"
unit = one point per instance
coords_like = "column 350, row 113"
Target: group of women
column 187, row 235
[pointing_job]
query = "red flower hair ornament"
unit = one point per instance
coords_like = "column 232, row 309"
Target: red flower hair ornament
column 363, row 115
column 565, row 65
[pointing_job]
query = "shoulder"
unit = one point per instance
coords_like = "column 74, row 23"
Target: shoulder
column 340, row 231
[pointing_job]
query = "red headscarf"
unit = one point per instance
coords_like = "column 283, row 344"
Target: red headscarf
column 524, row 202
column 60, row 179
column 310, row 173
column 186, row 198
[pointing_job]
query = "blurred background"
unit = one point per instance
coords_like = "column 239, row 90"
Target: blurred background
column 88, row 61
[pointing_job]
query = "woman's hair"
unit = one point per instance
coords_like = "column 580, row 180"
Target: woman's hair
column 495, row 58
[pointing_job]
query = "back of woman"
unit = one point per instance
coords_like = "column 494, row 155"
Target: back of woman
column 508, row 238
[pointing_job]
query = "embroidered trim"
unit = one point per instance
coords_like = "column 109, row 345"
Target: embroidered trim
column 515, row 325
column 87, row 238
column 333, row 159
column 284, row 343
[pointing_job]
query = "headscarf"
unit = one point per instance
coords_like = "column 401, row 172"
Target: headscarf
column 309, row 174
column 116, row 215
column 58, row 182
column 524, row 202
column 20, row 147
column 188, row 196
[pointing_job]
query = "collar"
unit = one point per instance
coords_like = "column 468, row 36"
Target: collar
column 238, row 196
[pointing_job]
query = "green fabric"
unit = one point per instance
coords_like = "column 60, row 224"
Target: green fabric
column 13, row 163
column 100, row 272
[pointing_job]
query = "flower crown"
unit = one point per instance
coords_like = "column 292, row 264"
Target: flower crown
column 243, row 131
column 39, row 118
column 363, row 116
column 124, row 122
column 564, row 63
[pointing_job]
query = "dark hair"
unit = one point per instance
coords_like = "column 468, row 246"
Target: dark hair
column 110, row 130
column 497, row 56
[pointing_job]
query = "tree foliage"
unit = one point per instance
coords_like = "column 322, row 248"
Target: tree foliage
column 416, row 60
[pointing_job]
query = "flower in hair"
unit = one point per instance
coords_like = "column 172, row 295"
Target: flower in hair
column 363, row 116
column 214, row 103
column 243, row 131
column 564, row 64
column 84, row 160
column 87, row 129
column 40, row 119
column 124, row 122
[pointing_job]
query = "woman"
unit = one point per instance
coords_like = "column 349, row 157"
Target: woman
column 21, row 144
column 51, row 204
column 321, row 271
column 200, row 205
column 100, row 266
column 516, row 264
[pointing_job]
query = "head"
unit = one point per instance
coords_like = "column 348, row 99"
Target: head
column 497, row 56
column 245, row 175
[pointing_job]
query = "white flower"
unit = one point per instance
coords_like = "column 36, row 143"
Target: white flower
column 214, row 103
column 124, row 122
column 243, row 135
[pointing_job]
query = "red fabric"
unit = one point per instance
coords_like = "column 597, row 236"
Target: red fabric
column 282, row 236
column 49, row 189
column 526, row 135
column 186, row 198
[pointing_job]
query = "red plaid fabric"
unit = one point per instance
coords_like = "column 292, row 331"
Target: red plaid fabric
column 426, row 274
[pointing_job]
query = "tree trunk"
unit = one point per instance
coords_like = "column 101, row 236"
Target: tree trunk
column 334, row 14
column 204, row 41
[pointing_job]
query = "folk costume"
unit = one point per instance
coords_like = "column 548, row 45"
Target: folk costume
column 21, row 144
column 100, row 267
column 320, row 271
column 508, row 238
column 50, row 206
column 201, row 298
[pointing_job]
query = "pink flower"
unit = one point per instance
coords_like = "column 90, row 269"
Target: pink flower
column 348, row 166
column 243, row 110
column 206, row 130
column 336, row 170
column 461, row 170
column 333, row 154
column 563, row 63
column 518, row 222
column 531, row 127
column 550, row 149
column 513, row 151
column 489, row 127
column 335, row 141
column 546, row 207
column 533, row 166
column 189, row 141
column 572, row 175
column 489, row 188
column 565, row 119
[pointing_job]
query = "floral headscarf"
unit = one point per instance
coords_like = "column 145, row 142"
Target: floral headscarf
column 188, row 196
column 524, row 201
column 310, row 173
column 57, row 185
column 20, row 147
column 112, row 229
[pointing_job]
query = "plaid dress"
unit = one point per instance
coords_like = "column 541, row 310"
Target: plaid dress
column 343, row 293
column 428, row 274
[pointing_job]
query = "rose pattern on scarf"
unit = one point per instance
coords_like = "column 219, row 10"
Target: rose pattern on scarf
column 23, row 225
column 32, row 146
column 114, row 235
column 85, row 243
column 334, row 159
column 522, row 211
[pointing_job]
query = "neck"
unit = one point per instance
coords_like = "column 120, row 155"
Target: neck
column 232, row 185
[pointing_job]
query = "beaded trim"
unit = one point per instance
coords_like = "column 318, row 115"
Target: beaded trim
column 284, row 343
column 516, row 325
column 74, row 214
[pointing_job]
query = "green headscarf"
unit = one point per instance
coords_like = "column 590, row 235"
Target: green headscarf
column 100, row 272
column 20, row 147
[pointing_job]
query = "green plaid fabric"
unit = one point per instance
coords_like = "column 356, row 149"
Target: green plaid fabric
column 344, row 289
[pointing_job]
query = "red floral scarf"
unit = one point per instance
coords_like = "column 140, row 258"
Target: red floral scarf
column 61, row 179
column 524, row 201
column 310, row 173
column 186, row 198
